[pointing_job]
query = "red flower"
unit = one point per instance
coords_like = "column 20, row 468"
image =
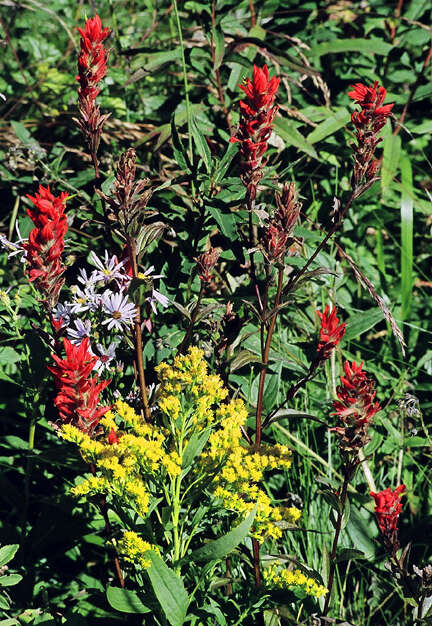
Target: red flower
column 388, row 507
column 356, row 407
column 46, row 243
column 331, row 332
column 93, row 57
column 368, row 123
column 112, row 437
column 92, row 68
column 257, row 111
column 78, row 395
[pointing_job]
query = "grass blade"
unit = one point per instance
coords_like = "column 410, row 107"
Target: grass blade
column 407, row 230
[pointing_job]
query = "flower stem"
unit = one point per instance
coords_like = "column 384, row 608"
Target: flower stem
column 138, row 333
column 186, row 339
column 342, row 501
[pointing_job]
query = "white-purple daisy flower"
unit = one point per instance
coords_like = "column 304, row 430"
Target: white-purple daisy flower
column 63, row 312
column 105, row 355
column 82, row 330
column 109, row 269
column 120, row 311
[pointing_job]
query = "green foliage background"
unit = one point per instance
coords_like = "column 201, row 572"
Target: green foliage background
column 318, row 50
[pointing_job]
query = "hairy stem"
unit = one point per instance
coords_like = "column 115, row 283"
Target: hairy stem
column 138, row 334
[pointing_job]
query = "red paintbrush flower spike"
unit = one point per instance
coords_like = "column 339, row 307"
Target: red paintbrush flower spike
column 331, row 332
column 92, row 67
column 45, row 244
column 355, row 407
column 77, row 399
column 388, row 507
column 257, row 112
column 368, row 122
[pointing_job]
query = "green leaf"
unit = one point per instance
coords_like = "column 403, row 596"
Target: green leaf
column 201, row 145
column 361, row 322
column 180, row 152
column 21, row 132
column 221, row 547
column 194, row 447
column 168, row 589
column 289, row 133
column 391, row 156
column 349, row 554
column 8, row 355
column 151, row 60
column 4, row 602
column 126, row 600
column 225, row 161
column 244, row 357
column 219, row 48
column 10, row 579
column 365, row 46
column 338, row 120
column 226, row 221
column 7, row 553
column 407, row 234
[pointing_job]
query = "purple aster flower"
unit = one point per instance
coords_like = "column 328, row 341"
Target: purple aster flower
column 16, row 247
column 110, row 269
column 63, row 311
column 156, row 296
column 120, row 311
column 105, row 355
column 83, row 329
column 84, row 299
column 87, row 281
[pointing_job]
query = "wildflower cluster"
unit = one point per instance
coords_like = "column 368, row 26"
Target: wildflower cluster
column 331, row 332
column 278, row 234
column 101, row 303
column 368, row 122
column 187, row 389
column 91, row 69
column 355, row 407
column 257, row 112
column 276, row 577
column 206, row 262
column 77, row 399
column 388, row 507
column 45, row 244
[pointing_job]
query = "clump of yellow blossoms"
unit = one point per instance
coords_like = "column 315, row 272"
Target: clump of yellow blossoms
column 140, row 465
column 275, row 577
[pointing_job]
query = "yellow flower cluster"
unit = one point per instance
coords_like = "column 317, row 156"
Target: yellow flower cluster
column 134, row 549
column 124, row 465
column 186, row 387
column 237, row 470
column 275, row 577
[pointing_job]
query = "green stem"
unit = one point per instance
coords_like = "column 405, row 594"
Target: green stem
column 186, row 87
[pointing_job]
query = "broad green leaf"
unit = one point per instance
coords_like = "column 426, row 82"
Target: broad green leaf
column 168, row 589
column 219, row 47
column 4, row 602
column 7, row 553
column 338, row 120
column 289, row 133
column 126, row 600
column 361, row 322
column 10, row 579
column 349, row 554
column 152, row 60
column 407, row 234
column 8, row 355
column 226, row 221
column 244, row 357
column 390, row 162
column 223, row 546
column 201, row 145
column 365, row 46
column 194, row 447
column 21, row 132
